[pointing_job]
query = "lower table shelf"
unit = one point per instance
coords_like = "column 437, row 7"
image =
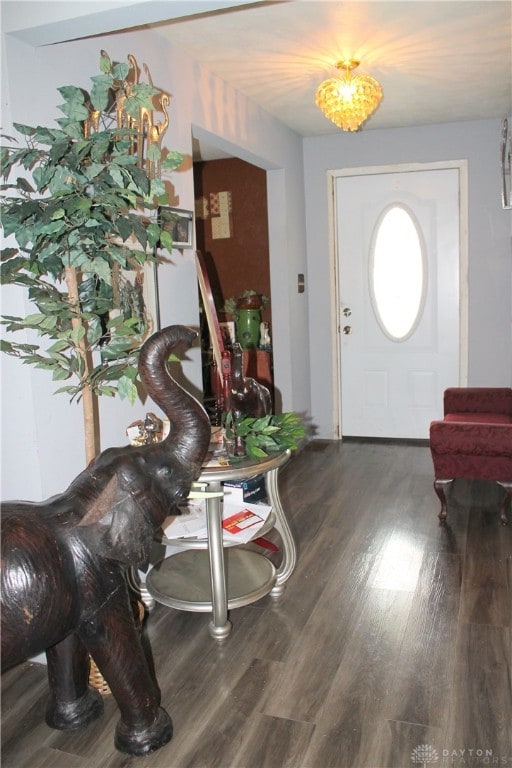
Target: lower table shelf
column 183, row 581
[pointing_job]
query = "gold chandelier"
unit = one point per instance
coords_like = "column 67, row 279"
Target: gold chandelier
column 348, row 100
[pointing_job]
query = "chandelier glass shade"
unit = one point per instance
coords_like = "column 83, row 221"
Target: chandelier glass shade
column 348, row 100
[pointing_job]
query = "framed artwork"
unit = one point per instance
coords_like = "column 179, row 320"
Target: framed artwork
column 178, row 223
column 506, row 166
column 136, row 295
column 221, row 356
column 136, row 289
column 216, row 336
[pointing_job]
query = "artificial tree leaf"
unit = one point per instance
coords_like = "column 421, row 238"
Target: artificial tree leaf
column 100, row 147
column 58, row 150
column 127, row 389
column 25, row 130
column 93, row 170
column 58, row 346
column 94, row 331
column 77, row 334
column 115, row 347
column 124, row 227
column 105, row 63
column 60, row 181
column 60, row 374
column 23, row 185
column 157, row 191
column 42, row 176
column 101, row 268
column 100, row 91
column 8, row 253
column 140, row 180
column 153, row 234
column 166, row 240
column 117, row 175
column 172, row 160
column 120, row 70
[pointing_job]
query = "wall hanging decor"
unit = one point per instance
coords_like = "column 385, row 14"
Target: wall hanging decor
column 179, row 224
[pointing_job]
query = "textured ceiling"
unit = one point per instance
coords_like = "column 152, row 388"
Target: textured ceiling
column 436, row 61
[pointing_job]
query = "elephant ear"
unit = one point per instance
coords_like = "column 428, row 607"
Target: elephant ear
column 101, row 504
column 116, row 526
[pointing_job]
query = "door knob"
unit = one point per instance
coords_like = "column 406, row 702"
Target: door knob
column 347, row 329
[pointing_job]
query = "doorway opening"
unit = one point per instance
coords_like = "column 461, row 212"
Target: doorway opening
column 232, row 233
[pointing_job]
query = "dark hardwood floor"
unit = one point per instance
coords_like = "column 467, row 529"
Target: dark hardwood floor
column 390, row 647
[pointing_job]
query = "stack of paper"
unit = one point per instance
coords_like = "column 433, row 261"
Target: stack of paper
column 240, row 521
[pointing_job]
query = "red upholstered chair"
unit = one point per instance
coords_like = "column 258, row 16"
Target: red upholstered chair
column 474, row 440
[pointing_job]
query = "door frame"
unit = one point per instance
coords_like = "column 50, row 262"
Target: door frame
column 336, row 321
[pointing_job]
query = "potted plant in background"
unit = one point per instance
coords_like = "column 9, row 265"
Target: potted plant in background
column 81, row 208
column 246, row 311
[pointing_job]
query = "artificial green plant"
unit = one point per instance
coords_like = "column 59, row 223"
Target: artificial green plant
column 266, row 434
column 80, row 205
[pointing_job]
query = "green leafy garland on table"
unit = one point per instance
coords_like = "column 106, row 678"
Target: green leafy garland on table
column 266, row 434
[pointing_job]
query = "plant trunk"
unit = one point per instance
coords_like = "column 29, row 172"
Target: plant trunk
column 89, row 403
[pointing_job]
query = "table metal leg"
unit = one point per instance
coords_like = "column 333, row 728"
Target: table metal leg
column 289, row 561
column 220, row 626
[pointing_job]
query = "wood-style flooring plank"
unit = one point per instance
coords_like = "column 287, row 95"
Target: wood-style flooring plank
column 224, row 719
column 273, row 742
column 424, row 673
column 347, row 716
column 306, row 677
column 481, row 699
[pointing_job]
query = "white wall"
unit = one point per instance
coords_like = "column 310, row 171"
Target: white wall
column 43, row 436
column 490, row 251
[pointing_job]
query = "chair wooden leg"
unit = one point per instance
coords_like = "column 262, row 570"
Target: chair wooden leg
column 439, row 487
column 505, row 507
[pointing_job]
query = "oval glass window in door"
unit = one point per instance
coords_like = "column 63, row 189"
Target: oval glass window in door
column 397, row 272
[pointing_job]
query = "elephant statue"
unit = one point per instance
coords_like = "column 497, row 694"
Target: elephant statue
column 248, row 397
column 64, row 564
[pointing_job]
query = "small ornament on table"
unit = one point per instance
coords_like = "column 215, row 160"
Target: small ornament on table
column 265, row 342
column 146, row 431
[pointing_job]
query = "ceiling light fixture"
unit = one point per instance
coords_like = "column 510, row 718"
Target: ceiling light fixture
column 348, row 100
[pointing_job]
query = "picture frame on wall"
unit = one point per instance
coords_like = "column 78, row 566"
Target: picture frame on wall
column 139, row 295
column 178, row 222
column 135, row 299
column 136, row 289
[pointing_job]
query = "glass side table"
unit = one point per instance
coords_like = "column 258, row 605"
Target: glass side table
column 212, row 575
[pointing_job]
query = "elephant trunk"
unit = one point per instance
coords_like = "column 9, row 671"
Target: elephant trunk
column 190, row 430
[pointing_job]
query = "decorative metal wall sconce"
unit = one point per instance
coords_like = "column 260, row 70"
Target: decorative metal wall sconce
column 506, row 166
column 130, row 105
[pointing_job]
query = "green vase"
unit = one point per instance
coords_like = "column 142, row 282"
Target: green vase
column 247, row 327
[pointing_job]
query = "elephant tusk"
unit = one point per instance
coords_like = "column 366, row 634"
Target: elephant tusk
column 203, row 494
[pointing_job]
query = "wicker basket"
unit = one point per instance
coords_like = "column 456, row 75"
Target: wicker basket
column 96, row 679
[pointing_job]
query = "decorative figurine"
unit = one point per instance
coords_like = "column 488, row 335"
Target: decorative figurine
column 64, row 562
column 248, row 396
column 265, row 342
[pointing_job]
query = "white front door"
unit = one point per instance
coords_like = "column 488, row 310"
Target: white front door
column 394, row 370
